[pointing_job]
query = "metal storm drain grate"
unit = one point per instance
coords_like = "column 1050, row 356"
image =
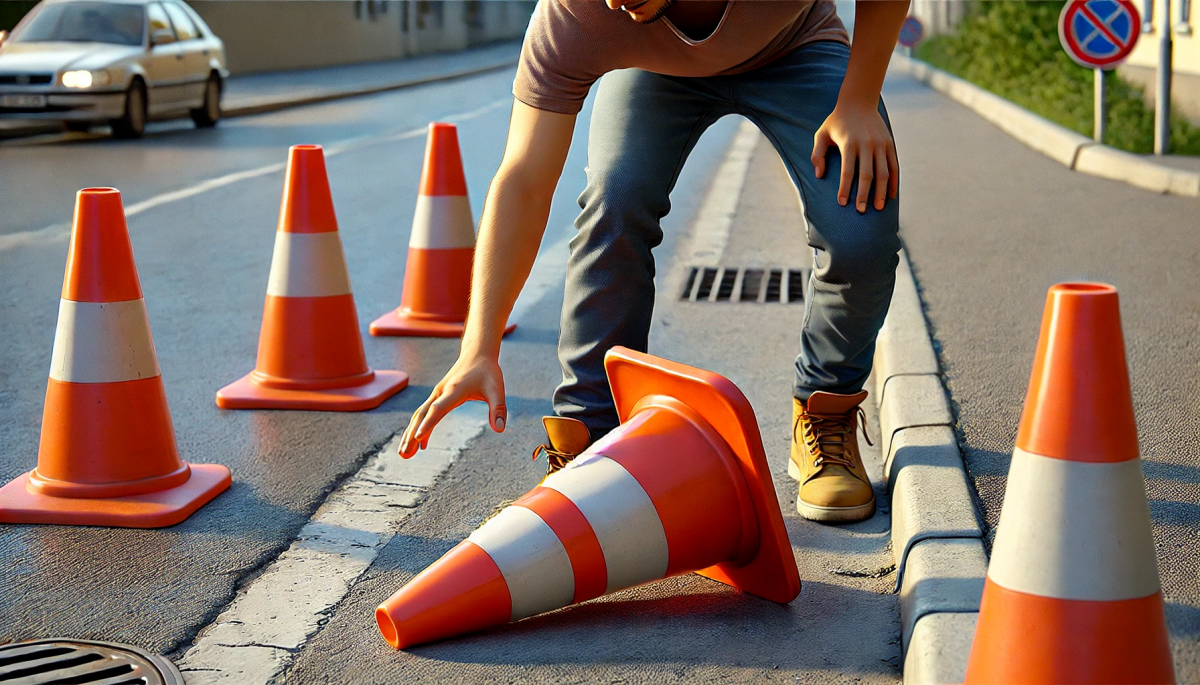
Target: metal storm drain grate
column 79, row 662
column 740, row 284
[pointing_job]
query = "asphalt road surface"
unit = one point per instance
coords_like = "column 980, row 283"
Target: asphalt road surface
column 990, row 225
column 203, row 211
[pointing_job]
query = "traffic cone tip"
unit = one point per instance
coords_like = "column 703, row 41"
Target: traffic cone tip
column 1079, row 406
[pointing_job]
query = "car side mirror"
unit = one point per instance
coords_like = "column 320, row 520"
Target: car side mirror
column 162, row 37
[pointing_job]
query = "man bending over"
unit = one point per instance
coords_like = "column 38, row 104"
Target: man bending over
column 670, row 70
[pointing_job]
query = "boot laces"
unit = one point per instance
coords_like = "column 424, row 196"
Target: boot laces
column 555, row 459
column 828, row 436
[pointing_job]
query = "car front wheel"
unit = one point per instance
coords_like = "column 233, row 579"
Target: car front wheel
column 133, row 122
column 210, row 112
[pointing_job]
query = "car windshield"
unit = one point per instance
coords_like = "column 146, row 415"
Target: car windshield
column 84, row 22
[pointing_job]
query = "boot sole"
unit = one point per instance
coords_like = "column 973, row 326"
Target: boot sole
column 813, row 512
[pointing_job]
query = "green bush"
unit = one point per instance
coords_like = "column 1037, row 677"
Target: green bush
column 1012, row 49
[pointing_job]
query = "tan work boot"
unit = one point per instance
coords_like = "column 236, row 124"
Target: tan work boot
column 565, row 439
column 825, row 459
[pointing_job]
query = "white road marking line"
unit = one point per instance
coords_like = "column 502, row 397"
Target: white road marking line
column 714, row 221
column 61, row 231
column 261, row 631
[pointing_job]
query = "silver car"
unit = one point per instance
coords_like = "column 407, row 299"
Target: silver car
column 120, row 62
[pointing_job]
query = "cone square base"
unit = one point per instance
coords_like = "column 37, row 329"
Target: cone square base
column 395, row 323
column 245, row 393
column 18, row 504
column 634, row 376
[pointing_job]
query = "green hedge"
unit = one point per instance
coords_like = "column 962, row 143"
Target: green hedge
column 1011, row 48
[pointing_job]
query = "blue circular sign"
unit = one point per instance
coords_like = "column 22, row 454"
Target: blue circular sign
column 1099, row 33
column 911, row 32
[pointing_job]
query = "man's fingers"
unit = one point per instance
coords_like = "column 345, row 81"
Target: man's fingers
column 866, row 172
column 440, row 407
column 820, row 148
column 894, row 170
column 408, row 446
column 848, row 157
column 883, row 178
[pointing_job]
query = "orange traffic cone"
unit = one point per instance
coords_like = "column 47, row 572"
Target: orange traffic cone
column 1072, row 592
column 107, row 454
column 441, row 248
column 681, row 485
column 310, row 352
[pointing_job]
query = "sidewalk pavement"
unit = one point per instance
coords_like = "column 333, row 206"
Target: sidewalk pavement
column 265, row 92
column 271, row 91
column 1180, row 176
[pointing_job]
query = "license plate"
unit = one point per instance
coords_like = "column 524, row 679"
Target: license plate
column 23, row 101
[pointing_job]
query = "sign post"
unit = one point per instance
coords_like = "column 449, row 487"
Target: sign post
column 1099, row 34
column 1162, row 86
column 911, row 33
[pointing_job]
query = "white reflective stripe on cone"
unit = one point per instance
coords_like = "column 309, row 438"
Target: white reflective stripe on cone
column 1075, row 530
column 532, row 559
column 442, row 222
column 103, row 342
column 621, row 514
column 308, row 265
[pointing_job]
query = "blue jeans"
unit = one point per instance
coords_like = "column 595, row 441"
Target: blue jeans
column 643, row 127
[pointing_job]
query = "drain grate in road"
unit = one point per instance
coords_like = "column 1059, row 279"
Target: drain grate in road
column 83, row 662
column 743, row 284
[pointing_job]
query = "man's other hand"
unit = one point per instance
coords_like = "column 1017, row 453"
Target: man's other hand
column 864, row 141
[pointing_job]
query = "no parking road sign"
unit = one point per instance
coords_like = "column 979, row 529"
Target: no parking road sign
column 1099, row 34
column 911, row 32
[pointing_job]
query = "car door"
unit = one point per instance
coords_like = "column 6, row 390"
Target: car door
column 194, row 55
column 164, row 63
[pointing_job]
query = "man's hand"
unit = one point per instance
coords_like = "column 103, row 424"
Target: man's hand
column 855, row 126
column 860, row 134
column 471, row 378
column 514, row 219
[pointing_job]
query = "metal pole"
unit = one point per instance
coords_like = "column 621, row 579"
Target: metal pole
column 1099, row 109
column 1162, row 90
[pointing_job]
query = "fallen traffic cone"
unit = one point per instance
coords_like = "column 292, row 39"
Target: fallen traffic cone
column 682, row 485
column 441, row 248
column 107, row 454
column 1072, row 592
column 310, row 352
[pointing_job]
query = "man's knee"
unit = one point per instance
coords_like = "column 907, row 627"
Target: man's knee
column 620, row 207
column 862, row 247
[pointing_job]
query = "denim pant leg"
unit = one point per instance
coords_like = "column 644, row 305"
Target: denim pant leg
column 854, row 255
column 643, row 127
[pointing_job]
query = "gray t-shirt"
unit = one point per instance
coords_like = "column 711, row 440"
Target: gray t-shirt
column 571, row 43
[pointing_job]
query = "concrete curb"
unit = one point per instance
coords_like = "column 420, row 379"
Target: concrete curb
column 1072, row 150
column 248, row 106
column 936, row 537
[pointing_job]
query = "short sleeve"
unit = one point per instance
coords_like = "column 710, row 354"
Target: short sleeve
column 558, row 63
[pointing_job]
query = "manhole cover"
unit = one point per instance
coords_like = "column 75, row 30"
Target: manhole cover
column 78, row 662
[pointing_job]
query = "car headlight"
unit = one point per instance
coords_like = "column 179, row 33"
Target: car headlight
column 82, row 78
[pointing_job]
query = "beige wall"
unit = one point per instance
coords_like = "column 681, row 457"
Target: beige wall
column 269, row 35
column 1186, row 56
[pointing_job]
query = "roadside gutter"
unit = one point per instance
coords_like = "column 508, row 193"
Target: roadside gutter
column 1069, row 148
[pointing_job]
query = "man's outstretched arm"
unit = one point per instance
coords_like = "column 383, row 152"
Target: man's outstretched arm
column 514, row 220
column 855, row 127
